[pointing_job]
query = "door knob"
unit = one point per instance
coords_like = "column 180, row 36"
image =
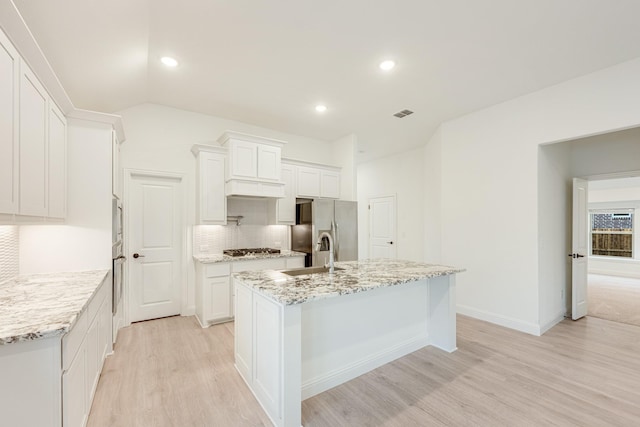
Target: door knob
column 138, row 255
column 391, row 243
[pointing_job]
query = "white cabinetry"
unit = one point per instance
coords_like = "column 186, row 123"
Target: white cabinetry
column 33, row 142
column 116, row 187
column 315, row 180
column 213, row 293
column 212, row 200
column 33, row 115
column 9, row 83
column 254, row 165
column 57, row 162
column 215, row 290
column 283, row 211
column 84, row 349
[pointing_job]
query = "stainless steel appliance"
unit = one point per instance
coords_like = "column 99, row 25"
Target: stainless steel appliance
column 337, row 217
column 117, row 261
column 250, row 251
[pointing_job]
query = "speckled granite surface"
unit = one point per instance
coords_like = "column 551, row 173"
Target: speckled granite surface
column 357, row 276
column 210, row 259
column 44, row 305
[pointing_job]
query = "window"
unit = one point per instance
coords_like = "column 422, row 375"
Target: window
column 612, row 233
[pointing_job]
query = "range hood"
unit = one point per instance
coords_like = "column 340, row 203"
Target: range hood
column 253, row 165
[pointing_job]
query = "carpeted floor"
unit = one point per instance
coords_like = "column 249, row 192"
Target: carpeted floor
column 614, row 298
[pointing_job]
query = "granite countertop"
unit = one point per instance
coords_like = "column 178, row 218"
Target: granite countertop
column 213, row 258
column 44, row 305
column 357, row 276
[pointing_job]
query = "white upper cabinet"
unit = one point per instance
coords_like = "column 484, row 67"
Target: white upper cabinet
column 254, row 165
column 115, row 166
column 212, row 200
column 315, row 180
column 283, row 211
column 9, row 82
column 57, row 147
column 33, row 166
column 33, row 143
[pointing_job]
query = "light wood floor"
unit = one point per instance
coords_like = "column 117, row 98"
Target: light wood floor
column 170, row 372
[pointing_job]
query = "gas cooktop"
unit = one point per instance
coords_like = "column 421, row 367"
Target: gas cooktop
column 251, row 251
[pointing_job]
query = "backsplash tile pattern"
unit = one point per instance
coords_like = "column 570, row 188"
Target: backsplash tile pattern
column 213, row 239
column 9, row 250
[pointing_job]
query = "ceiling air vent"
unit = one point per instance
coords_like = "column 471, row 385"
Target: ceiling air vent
column 403, row 113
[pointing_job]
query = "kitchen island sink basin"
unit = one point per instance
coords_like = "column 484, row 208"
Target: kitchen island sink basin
column 308, row 270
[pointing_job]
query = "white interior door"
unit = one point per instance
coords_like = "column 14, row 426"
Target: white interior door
column 579, row 249
column 155, row 246
column 382, row 227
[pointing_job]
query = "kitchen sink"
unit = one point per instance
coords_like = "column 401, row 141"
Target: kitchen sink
column 308, row 270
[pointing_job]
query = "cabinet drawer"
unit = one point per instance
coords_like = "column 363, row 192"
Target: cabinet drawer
column 73, row 339
column 216, row 270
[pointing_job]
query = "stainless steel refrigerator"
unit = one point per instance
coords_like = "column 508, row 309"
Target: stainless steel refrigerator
column 337, row 217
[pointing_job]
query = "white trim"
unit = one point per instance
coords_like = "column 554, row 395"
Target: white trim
column 557, row 319
column 296, row 162
column 498, row 319
column 128, row 174
column 317, row 385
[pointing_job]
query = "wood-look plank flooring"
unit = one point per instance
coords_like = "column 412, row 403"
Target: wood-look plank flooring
column 170, row 372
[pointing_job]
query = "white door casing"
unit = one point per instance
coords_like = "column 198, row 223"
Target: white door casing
column 579, row 249
column 155, row 216
column 382, row 227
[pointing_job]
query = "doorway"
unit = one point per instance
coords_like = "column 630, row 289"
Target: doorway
column 154, row 239
column 382, row 227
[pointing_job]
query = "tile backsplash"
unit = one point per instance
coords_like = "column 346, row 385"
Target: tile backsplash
column 9, row 250
column 254, row 230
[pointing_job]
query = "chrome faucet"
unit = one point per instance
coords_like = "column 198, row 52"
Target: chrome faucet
column 319, row 245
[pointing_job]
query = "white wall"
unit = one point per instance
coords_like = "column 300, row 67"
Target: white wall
column 344, row 155
column 401, row 175
column 160, row 138
column 554, row 231
column 490, row 186
column 433, row 199
column 84, row 242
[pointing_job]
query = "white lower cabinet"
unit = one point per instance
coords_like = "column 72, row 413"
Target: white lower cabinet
column 84, row 349
column 215, row 293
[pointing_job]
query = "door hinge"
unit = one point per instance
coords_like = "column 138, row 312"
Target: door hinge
column 369, row 207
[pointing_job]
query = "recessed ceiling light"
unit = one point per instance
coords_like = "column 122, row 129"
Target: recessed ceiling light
column 387, row 65
column 321, row 108
column 169, row 61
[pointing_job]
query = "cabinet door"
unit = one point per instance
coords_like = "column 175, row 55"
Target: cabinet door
column 243, row 331
column 92, row 365
column 330, row 184
column 287, row 205
column 308, row 182
column 9, row 83
column 269, row 162
column 105, row 330
column 244, row 159
column 213, row 200
column 74, row 391
column 57, row 147
column 33, row 145
column 219, row 306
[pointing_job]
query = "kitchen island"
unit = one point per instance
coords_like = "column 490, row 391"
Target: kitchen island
column 298, row 336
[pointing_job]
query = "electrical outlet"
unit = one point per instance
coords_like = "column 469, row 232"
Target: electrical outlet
column 204, row 248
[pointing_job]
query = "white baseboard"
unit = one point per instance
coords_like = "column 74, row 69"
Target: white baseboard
column 317, row 385
column 498, row 319
column 557, row 319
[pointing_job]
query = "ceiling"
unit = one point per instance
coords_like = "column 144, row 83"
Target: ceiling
column 269, row 63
